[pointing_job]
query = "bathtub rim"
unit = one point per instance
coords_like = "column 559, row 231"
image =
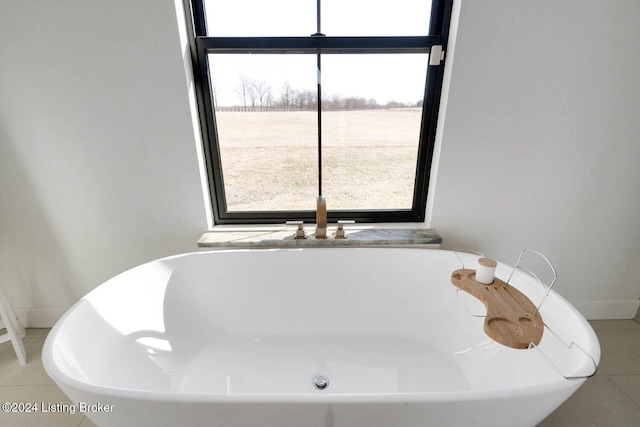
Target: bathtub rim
column 321, row 397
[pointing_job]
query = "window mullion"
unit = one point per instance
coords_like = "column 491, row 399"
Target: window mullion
column 297, row 45
column 319, row 129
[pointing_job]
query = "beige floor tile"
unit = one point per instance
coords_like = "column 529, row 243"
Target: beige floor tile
column 88, row 423
column 599, row 325
column 32, row 373
column 37, row 332
column 8, row 354
column 44, row 397
column 620, row 352
column 630, row 384
column 598, row 403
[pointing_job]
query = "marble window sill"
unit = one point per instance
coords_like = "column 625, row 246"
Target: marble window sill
column 363, row 236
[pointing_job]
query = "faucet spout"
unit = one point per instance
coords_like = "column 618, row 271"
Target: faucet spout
column 321, row 217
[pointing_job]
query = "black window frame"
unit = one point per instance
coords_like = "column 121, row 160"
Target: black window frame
column 202, row 45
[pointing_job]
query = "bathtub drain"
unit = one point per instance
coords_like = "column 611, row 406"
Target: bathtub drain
column 321, row 382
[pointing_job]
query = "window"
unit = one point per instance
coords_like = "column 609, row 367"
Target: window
column 305, row 97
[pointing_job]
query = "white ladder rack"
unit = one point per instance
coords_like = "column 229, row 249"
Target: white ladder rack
column 15, row 329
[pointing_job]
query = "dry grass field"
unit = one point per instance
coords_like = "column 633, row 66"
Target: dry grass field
column 269, row 159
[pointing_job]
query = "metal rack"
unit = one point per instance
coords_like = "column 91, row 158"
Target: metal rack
column 568, row 347
column 547, row 289
column 528, row 271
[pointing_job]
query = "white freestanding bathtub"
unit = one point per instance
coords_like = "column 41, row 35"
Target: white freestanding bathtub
column 237, row 339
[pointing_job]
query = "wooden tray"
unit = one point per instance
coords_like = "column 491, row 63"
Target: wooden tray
column 511, row 316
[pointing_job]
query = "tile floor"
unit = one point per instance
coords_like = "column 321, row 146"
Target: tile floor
column 611, row 398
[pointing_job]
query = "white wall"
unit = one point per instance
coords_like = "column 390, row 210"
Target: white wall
column 98, row 166
column 99, row 172
column 541, row 143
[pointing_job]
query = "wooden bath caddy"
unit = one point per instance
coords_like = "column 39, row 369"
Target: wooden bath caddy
column 512, row 319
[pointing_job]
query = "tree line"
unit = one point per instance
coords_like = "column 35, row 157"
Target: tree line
column 257, row 94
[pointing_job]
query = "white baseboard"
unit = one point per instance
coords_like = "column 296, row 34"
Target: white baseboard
column 39, row 317
column 605, row 310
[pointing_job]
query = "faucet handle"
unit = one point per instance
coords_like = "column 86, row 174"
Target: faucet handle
column 300, row 233
column 340, row 231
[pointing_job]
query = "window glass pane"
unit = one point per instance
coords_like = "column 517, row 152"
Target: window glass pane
column 245, row 18
column 371, row 129
column 267, row 130
column 375, row 18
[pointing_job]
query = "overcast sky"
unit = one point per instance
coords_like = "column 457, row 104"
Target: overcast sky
column 382, row 77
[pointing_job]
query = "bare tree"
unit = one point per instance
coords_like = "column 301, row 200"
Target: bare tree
column 269, row 99
column 304, row 99
column 252, row 93
column 286, row 96
column 260, row 92
column 243, row 89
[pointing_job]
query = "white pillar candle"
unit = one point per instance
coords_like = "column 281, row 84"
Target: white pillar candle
column 486, row 271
